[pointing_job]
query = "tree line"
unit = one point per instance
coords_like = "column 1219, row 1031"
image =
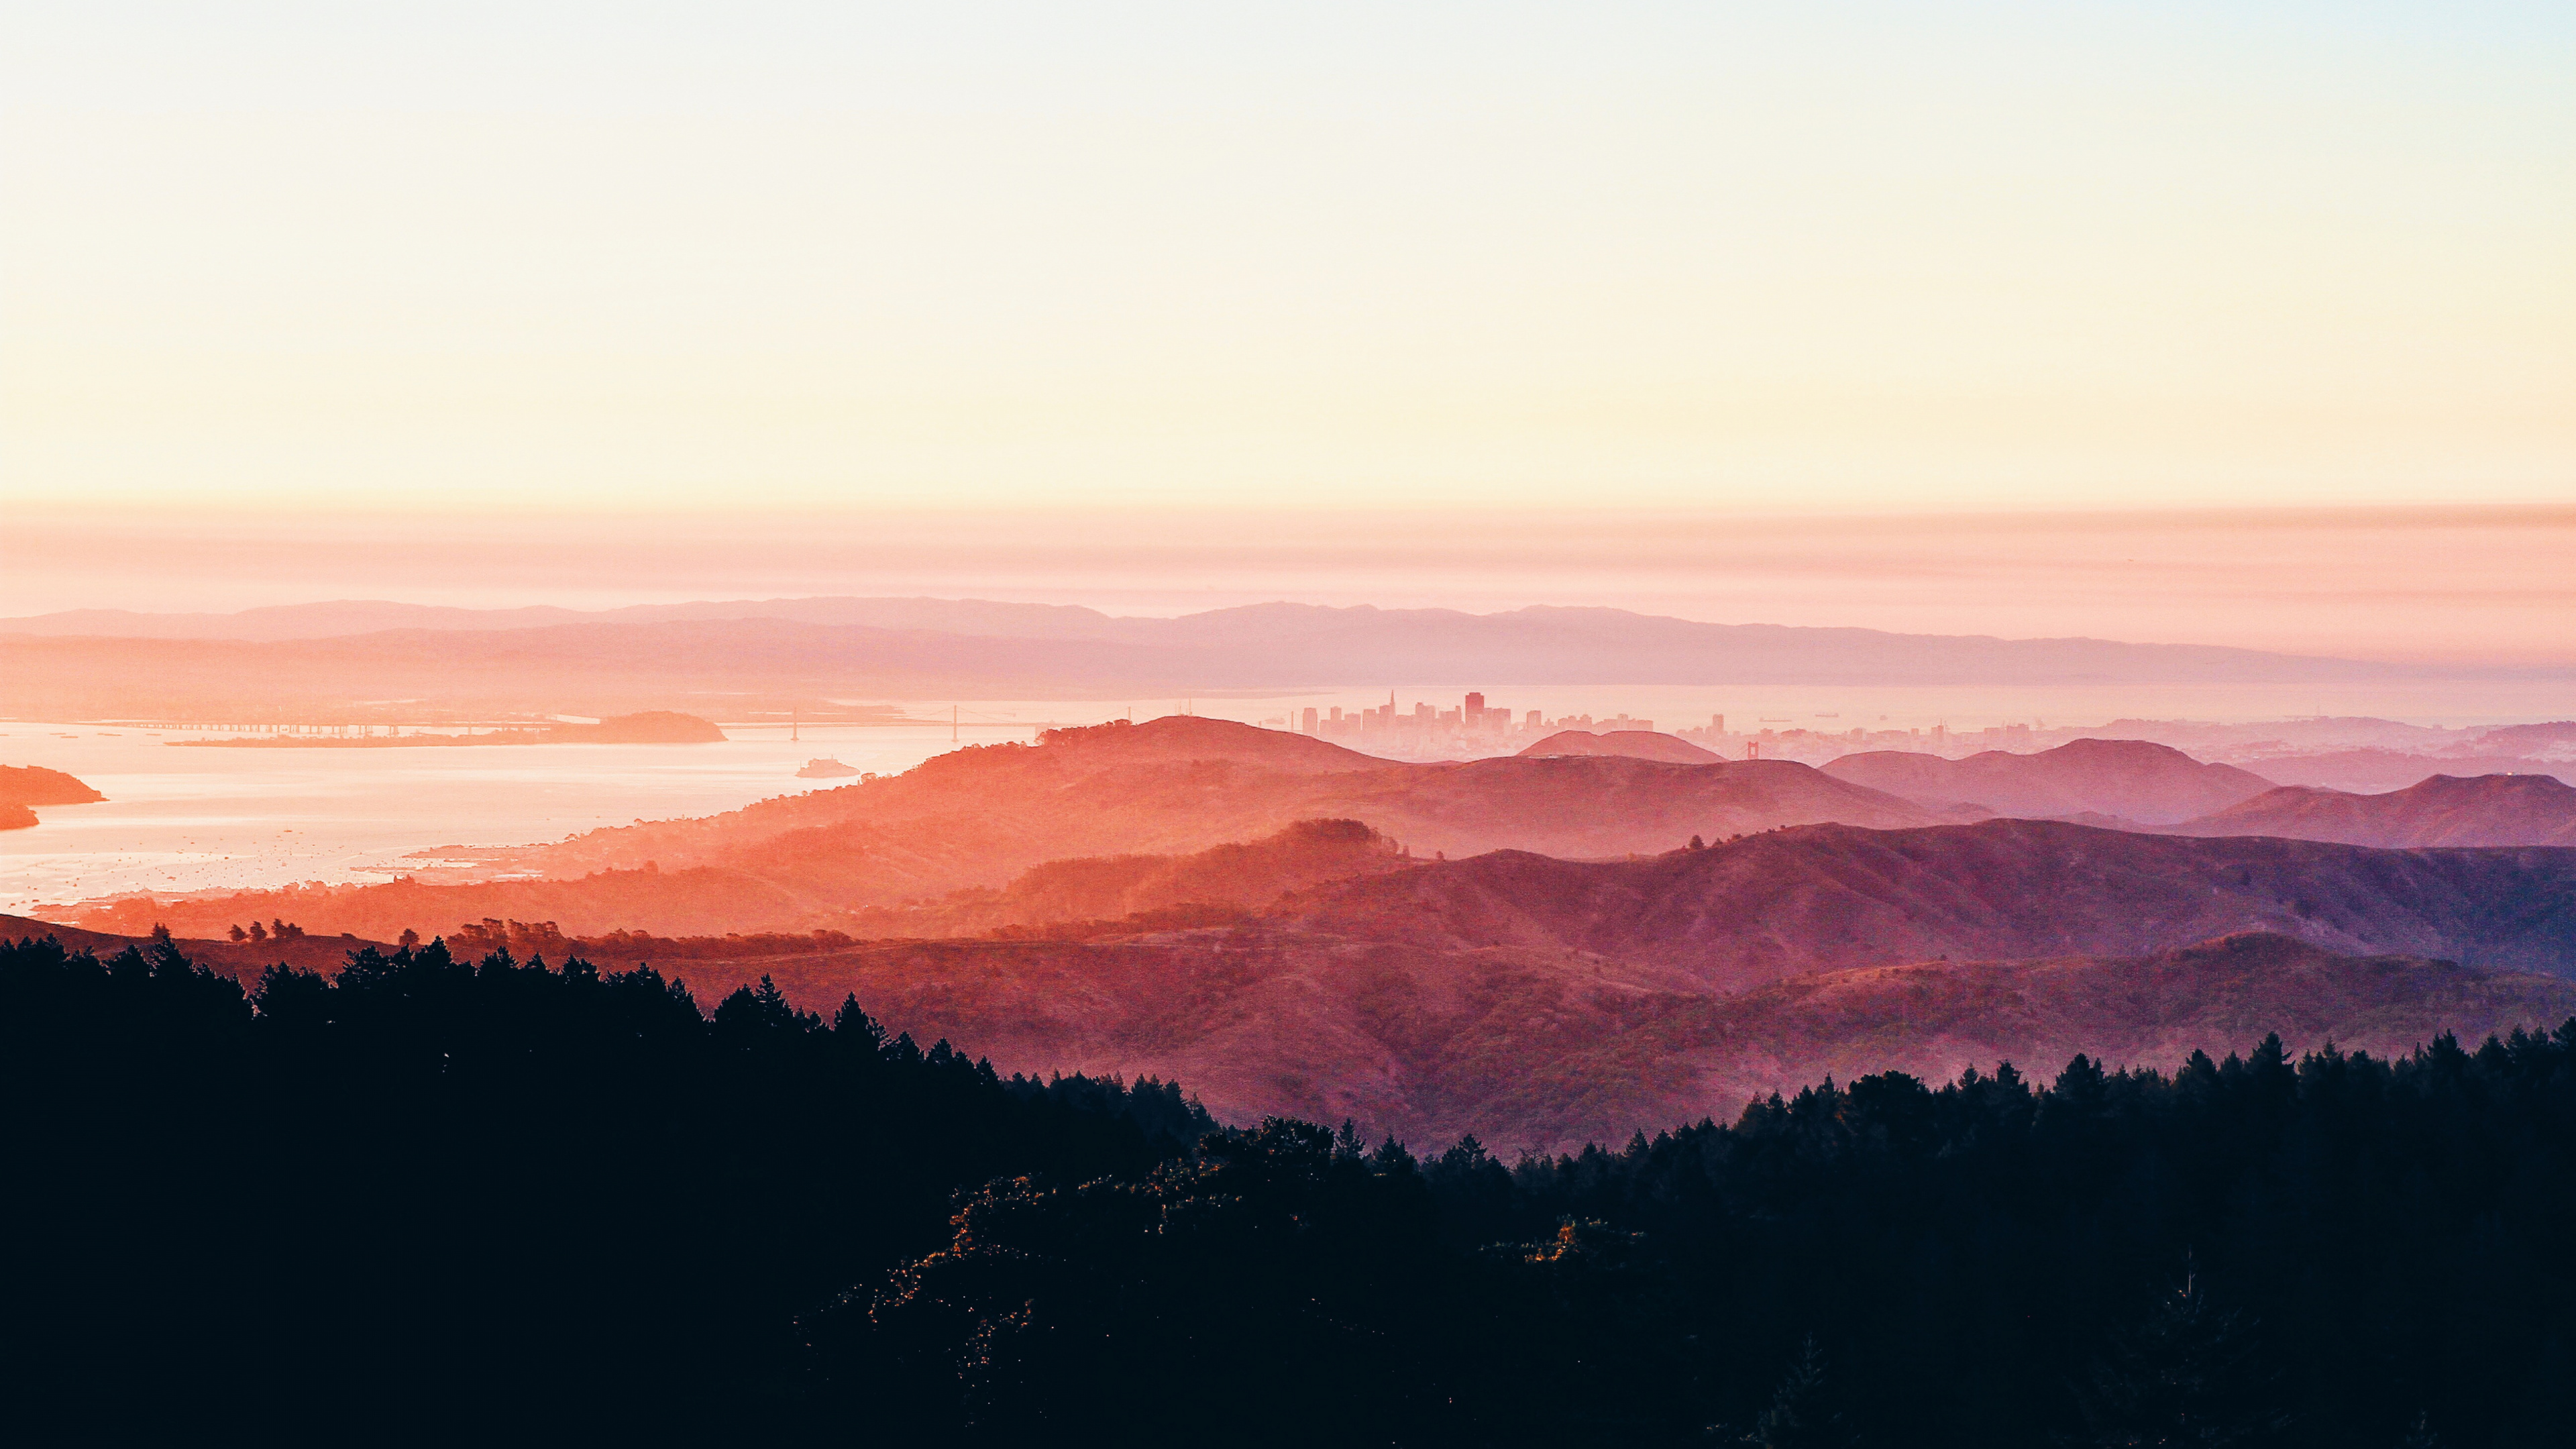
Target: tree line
column 434, row 1201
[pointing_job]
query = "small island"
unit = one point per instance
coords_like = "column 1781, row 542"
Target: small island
column 22, row 786
column 652, row 727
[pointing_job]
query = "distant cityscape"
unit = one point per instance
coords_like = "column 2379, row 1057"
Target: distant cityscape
column 1475, row 727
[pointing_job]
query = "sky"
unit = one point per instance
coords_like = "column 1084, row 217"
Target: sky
column 1820, row 313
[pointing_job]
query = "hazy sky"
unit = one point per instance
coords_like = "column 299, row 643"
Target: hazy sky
column 327, row 268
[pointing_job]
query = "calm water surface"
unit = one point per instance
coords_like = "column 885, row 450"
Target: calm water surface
column 178, row 819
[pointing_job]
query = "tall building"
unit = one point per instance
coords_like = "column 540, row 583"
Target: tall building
column 1717, row 724
column 1475, row 710
column 1310, row 719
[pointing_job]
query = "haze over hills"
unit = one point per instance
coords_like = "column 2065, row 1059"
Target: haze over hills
column 2498, row 810
column 313, row 657
column 2378, row 771
column 979, row 816
column 2132, row 780
column 1119, row 888
column 1634, row 744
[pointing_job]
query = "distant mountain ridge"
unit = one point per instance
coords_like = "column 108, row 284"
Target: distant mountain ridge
column 644, row 656
column 2131, row 780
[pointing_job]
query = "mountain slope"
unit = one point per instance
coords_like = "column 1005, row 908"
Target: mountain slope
column 1110, row 888
column 1545, row 1048
column 2131, row 779
column 2443, row 810
column 1830, row 897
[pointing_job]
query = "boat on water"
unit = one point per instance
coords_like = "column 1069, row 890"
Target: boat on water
column 825, row 768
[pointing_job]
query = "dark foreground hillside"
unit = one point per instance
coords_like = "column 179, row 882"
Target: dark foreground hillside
column 433, row 1203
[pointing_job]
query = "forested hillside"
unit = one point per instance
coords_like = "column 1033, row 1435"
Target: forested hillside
column 432, row 1202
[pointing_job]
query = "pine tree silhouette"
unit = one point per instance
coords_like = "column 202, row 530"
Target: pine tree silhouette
column 2185, row 1378
column 1805, row 1413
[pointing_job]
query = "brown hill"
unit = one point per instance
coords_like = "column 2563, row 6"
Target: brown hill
column 1634, row 744
column 2443, row 810
column 1542, row 1047
column 1830, row 897
column 980, row 816
column 2131, row 780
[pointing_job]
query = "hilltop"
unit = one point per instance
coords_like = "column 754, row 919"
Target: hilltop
column 2129, row 780
column 2443, row 810
column 1633, row 744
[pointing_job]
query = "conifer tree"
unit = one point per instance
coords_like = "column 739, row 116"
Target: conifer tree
column 1806, row 1411
column 2185, row 1378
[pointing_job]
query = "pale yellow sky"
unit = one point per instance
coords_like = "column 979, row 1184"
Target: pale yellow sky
column 1645, row 255
column 1684, row 306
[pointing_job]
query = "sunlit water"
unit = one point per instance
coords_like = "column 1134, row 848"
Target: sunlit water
column 202, row 819
column 207, row 819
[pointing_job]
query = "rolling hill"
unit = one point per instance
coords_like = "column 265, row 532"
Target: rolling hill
column 2443, row 810
column 2131, row 780
column 1536, row 1047
column 1634, row 744
column 978, row 817
column 1831, row 897
column 2374, row 771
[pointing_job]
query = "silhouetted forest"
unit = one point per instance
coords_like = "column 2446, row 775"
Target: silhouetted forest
column 439, row 1202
